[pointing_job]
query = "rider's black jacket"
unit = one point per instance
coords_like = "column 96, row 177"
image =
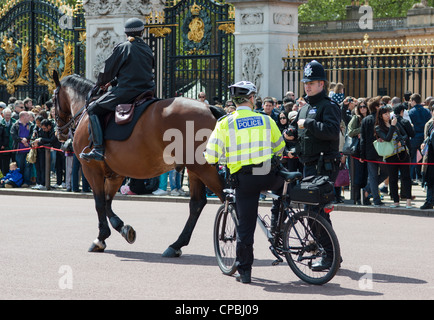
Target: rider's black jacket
column 131, row 65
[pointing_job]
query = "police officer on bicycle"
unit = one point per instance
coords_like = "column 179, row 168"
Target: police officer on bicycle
column 246, row 141
column 316, row 130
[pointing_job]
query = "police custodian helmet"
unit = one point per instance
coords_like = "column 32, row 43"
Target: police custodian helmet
column 314, row 71
column 133, row 26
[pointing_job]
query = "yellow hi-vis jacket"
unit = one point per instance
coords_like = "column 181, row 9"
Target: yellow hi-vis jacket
column 243, row 138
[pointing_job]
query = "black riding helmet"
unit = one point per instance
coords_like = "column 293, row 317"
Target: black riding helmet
column 134, row 27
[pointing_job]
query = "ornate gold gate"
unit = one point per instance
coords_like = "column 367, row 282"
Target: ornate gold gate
column 37, row 37
column 194, row 47
column 367, row 68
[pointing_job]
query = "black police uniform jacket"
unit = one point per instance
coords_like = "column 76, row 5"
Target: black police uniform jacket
column 321, row 129
column 130, row 65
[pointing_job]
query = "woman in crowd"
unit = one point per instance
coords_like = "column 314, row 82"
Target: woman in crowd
column 428, row 157
column 360, row 168
column 390, row 130
column 338, row 95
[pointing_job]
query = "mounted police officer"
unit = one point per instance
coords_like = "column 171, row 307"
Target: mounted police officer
column 129, row 70
column 247, row 140
column 316, row 130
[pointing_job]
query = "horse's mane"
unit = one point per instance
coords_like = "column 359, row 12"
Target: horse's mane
column 80, row 84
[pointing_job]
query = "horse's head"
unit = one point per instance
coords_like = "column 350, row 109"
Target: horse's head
column 69, row 101
column 62, row 109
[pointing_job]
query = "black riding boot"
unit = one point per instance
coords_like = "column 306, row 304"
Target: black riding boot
column 97, row 152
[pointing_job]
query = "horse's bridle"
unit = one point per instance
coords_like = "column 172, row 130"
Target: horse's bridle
column 62, row 124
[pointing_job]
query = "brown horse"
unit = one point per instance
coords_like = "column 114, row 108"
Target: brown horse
column 147, row 153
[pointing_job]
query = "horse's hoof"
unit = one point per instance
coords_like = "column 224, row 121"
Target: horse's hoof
column 128, row 233
column 97, row 246
column 172, row 253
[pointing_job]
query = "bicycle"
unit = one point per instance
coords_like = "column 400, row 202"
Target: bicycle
column 297, row 236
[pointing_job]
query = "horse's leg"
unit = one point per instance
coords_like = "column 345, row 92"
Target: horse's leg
column 112, row 185
column 95, row 177
column 197, row 202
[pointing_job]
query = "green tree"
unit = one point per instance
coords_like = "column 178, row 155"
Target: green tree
column 322, row 10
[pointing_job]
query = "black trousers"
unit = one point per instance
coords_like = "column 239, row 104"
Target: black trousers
column 247, row 195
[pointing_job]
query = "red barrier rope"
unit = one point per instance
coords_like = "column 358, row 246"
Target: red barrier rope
column 395, row 163
column 25, row 149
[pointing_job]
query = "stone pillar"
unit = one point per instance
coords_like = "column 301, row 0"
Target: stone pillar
column 263, row 30
column 105, row 22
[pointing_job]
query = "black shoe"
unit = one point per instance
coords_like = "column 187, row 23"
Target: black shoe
column 427, row 205
column 95, row 154
column 245, row 277
column 323, row 264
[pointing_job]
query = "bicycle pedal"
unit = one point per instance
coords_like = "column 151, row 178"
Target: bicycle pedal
column 276, row 262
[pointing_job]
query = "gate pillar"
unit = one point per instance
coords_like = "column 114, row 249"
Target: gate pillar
column 263, row 30
column 105, row 22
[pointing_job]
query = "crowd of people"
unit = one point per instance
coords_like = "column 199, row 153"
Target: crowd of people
column 407, row 122
column 26, row 132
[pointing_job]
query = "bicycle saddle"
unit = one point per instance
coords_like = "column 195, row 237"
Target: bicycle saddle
column 290, row 176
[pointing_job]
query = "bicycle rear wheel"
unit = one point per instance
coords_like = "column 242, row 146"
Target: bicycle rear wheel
column 307, row 239
column 225, row 240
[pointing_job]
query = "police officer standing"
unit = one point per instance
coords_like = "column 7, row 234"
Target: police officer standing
column 316, row 130
column 246, row 141
column 129, row 70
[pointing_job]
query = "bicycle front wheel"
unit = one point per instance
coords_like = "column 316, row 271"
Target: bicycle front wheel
column 225, row 239
column 309, row 239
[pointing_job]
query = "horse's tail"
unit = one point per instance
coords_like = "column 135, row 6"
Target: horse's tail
column 217, row 112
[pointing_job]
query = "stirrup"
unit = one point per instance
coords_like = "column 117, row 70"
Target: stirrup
column 92, row 155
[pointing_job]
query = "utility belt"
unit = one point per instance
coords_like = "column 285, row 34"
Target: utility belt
column 232, row 180
column 322, row 164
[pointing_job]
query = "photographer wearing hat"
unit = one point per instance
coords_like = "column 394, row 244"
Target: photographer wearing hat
column 129, row 71
column 316, row 130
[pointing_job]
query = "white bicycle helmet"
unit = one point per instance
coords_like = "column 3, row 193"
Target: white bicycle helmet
column 242, row 89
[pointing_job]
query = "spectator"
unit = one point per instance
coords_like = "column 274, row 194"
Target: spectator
column 338, row 94
column 332, row 87
column 391, row 130
column 21, row 133
column 69, row 160
column 28, row 104
column 202, row 97
column 175, row 185
column 419, row 117
column 18, row 107
column 377, row 173
column 428, row 157
column 360, row 178
column 268, row 106
column 45, row 137
column 2, row 107
column 75, row 180
column 7, row 157
column 13, row 179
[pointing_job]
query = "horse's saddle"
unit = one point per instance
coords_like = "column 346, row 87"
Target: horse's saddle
column 124, row 112
column 120, row 124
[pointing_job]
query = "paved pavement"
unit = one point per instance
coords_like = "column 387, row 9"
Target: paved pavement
column 44, row 244
column 348, row 204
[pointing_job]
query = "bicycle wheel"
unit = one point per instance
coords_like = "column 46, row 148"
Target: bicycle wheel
column 307, row 239
column 225, row 240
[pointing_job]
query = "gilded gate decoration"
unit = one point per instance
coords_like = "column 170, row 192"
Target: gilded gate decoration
column 196, row 30
column 15, row 64
column 194, row 45
column 366, row 67
column 49, row 57
column 38, row 37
